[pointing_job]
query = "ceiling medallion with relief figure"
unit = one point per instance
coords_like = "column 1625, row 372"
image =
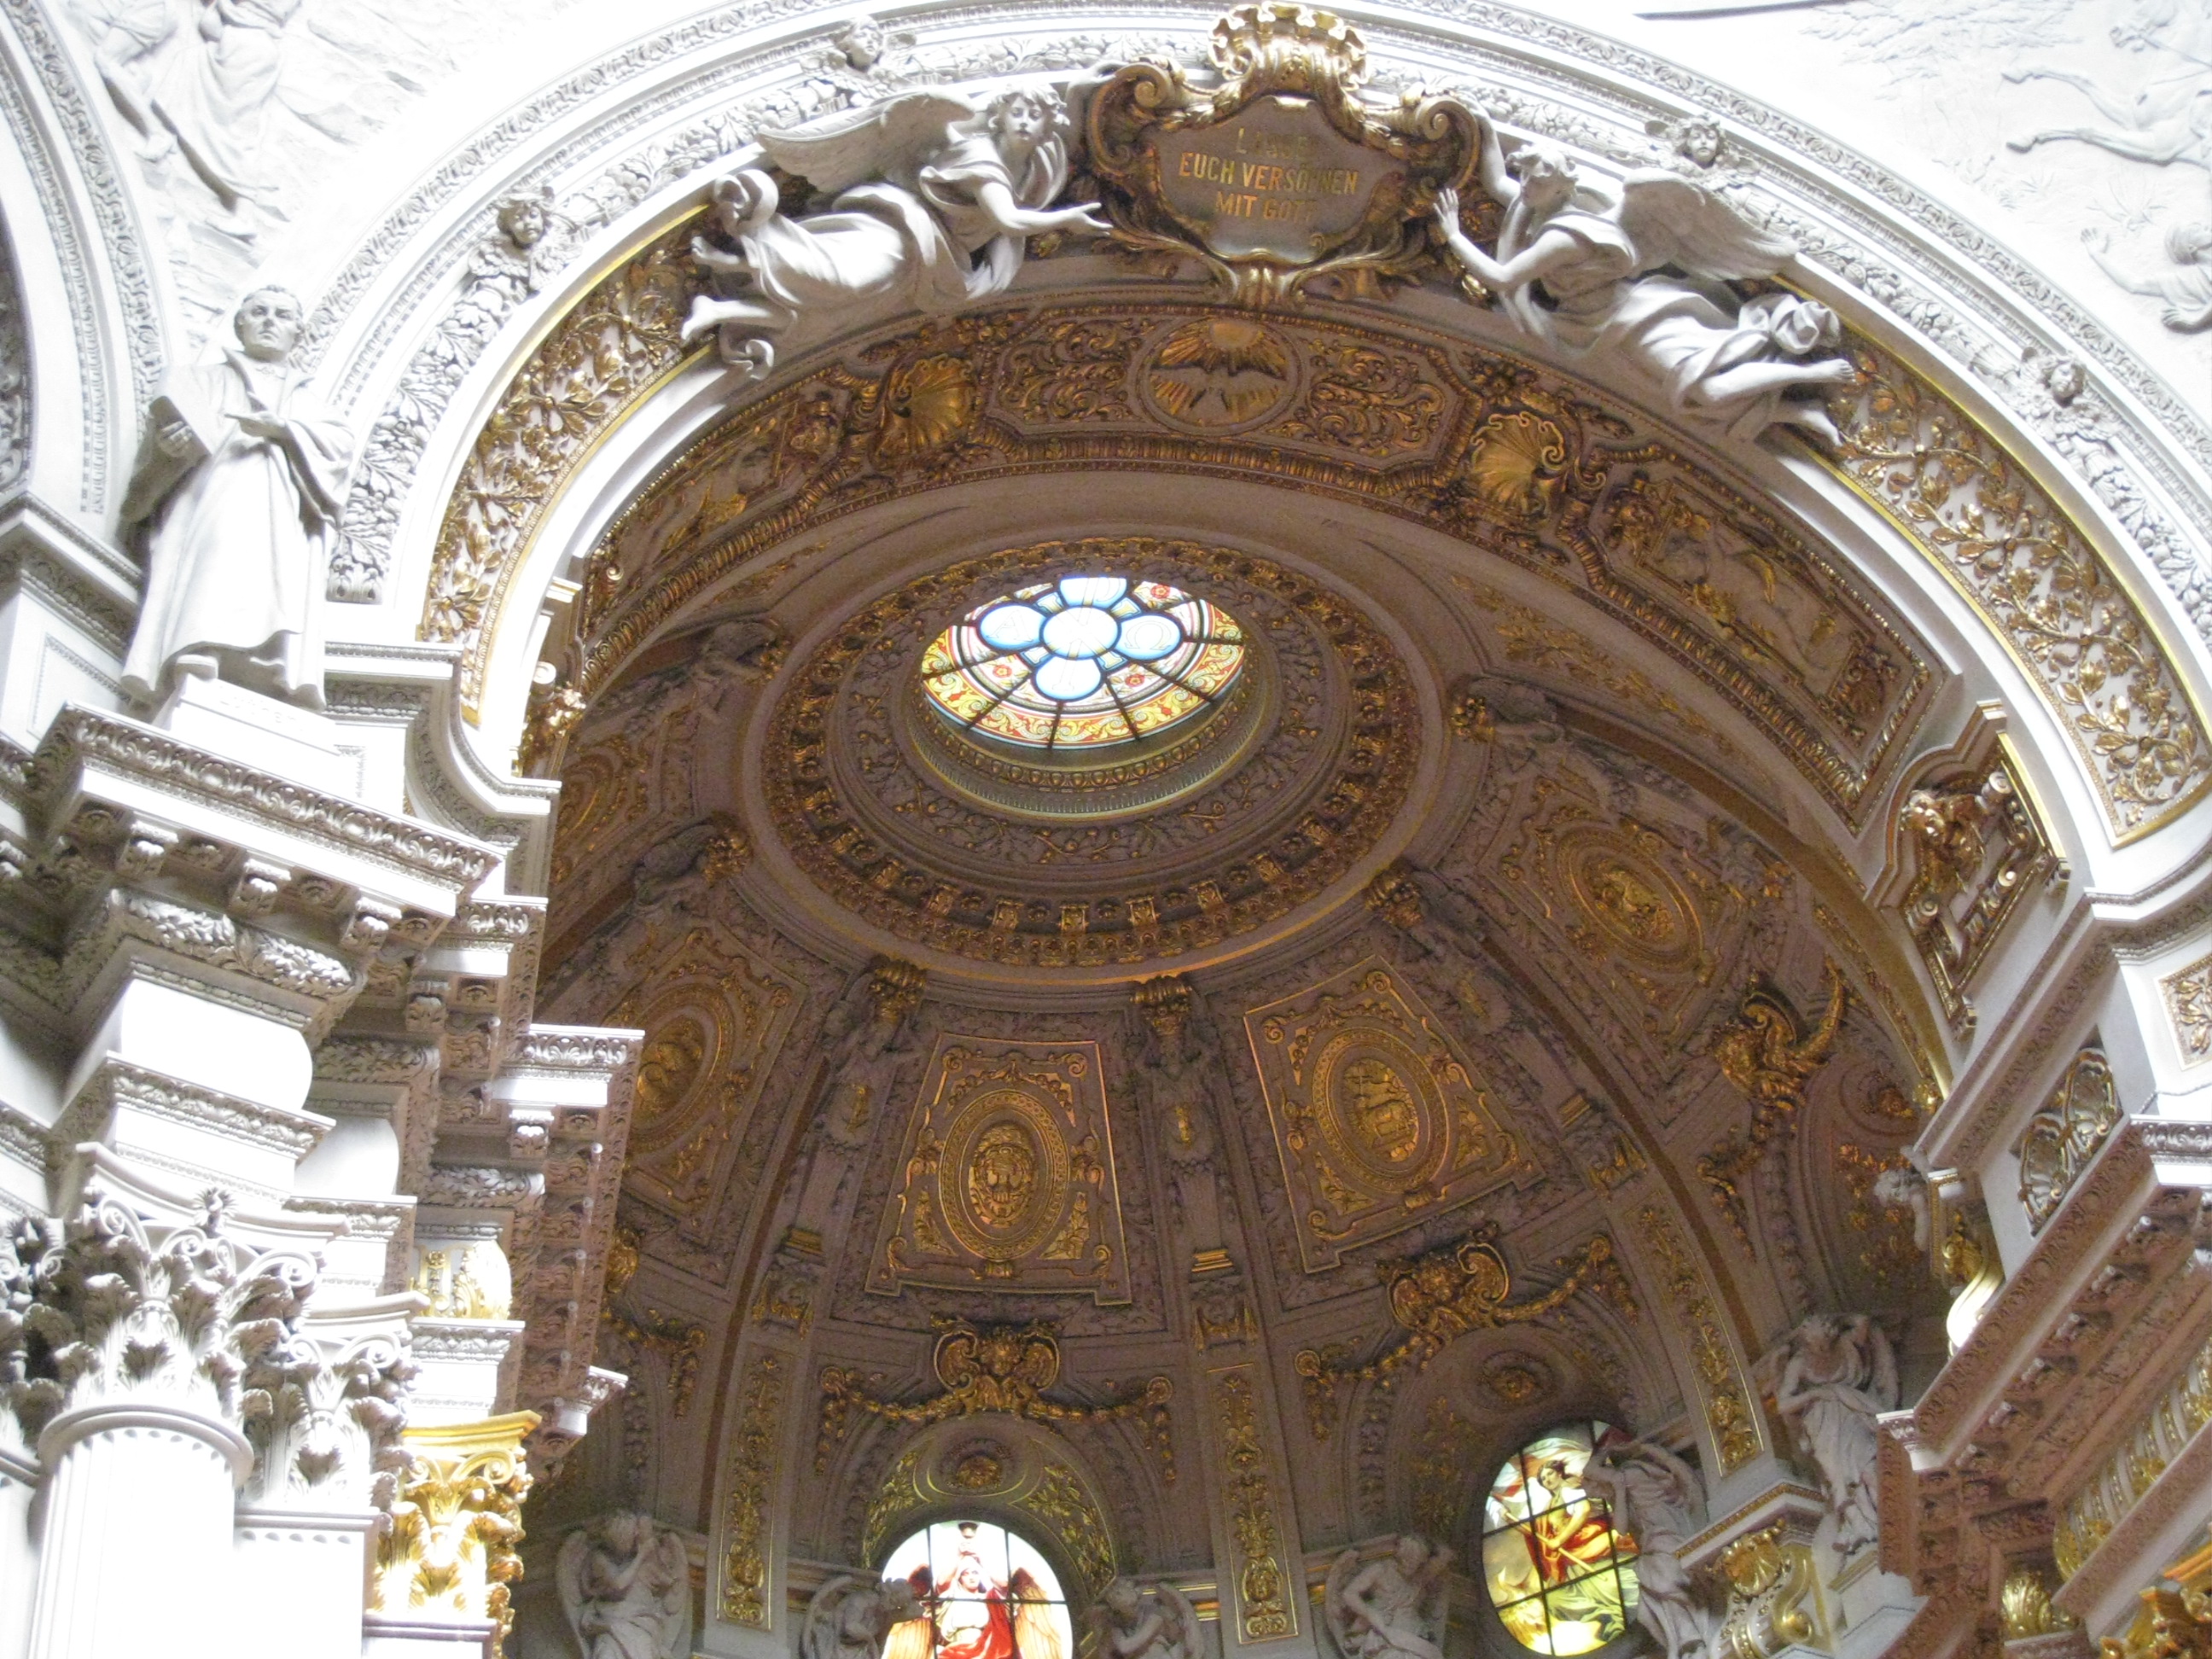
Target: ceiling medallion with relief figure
column 1007, row 1180
column 1378, row 1120
column 1286, row 736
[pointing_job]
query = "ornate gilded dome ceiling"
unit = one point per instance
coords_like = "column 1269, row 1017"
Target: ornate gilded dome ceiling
column 1265, row 756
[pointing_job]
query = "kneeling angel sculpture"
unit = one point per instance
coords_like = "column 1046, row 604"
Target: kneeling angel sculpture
column 1578, row 270
column 934, row 202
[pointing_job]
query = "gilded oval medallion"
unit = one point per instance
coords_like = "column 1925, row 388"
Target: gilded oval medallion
column 1633, row 904
column 668, row 1072
column 1380, row 1110
column 1007, row 1168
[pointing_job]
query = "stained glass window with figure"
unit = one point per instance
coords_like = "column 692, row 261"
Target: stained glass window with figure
column 1561, row 1576
column 986, row 1594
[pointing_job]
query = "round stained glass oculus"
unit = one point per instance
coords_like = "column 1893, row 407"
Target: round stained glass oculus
column 1083, row 663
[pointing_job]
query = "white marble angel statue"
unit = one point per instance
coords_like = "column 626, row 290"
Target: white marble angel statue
column 626, row 1586
column 931, row 204
column 1837, row 1375
column 240, row 493
column 1133, row 1623
column 1657, row 1499
column 1393, row 1607
column 1579, row 269
column 849, row 1618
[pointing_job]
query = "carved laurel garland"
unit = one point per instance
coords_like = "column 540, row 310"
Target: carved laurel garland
column 2028, row 569
column 618, row 343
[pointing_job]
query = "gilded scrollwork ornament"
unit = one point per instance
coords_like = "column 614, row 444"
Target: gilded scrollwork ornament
column 1769, row 1056
column 1435, row 1300
column 1280, row 173
column 2065, row 1133
column 1773, row 1595
column 991, row 1368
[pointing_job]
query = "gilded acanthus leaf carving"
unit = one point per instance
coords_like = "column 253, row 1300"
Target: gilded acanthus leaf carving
column 1729, row 1401
column 749, row 1507
column 2006, row 544
column 578, row 382
column 1266, row 1606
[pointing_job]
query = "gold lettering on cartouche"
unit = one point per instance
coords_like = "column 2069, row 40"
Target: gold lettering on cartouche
column 1264, row 190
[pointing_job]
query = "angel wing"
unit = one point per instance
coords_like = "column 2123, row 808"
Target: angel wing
column 674, row 1563
column 1036, row 1634
column 1675, row 222
column 890, row 140
column 568, row 1573
column 908, row 1640
column 1334, row 1611
column 1189, row 1644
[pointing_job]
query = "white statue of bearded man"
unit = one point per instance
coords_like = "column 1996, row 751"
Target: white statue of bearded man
column 240, row 491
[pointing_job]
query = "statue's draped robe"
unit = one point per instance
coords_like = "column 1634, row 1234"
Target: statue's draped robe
column 1665, row 327
column 1396, row 1621
column 885, row 248
column 238, row 531
column 217, row 94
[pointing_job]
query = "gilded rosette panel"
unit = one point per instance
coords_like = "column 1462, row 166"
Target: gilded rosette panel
column 1379, row 1120
column 1006, row 1179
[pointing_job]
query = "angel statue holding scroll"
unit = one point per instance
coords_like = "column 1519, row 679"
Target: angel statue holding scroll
column 1634, row 271
column 931, row 204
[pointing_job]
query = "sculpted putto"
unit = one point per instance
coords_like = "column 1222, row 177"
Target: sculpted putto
column 1577, row 270
column 1391, row 1609
column 626, row 1586
column 239, row 492
column 1837, row 1375
column 1135, row 1623
column 931, row 203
